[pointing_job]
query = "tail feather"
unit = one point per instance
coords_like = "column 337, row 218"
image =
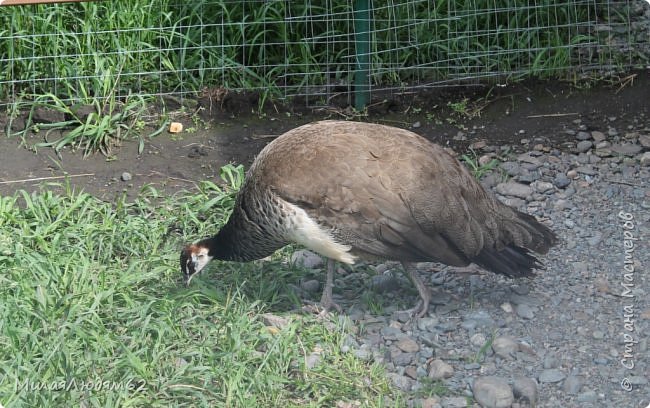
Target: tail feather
column 512, row 261
column 525, row 236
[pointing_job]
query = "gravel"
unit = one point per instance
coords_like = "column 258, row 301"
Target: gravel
column 559, row 339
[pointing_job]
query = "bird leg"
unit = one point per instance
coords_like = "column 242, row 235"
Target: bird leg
column 326, row 301
column 422, row 307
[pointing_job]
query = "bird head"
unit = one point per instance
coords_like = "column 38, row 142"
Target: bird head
column 193, row 260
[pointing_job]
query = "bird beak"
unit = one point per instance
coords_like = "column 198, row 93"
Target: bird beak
column 188, row 280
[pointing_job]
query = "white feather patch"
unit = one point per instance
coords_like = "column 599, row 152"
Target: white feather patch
column 305, row 231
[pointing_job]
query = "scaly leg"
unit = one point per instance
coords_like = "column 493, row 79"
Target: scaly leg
column 422, row 307
column 326, row 301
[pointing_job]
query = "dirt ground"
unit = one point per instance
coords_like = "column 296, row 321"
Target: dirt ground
column 233, row 132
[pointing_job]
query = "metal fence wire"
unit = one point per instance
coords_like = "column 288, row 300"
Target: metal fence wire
column 307, row 49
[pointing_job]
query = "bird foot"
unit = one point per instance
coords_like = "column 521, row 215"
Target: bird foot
column 419, row 310
column 322, row 308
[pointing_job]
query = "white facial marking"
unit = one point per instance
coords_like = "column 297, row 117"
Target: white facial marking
column 200, row 259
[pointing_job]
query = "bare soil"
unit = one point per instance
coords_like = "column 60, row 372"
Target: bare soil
column 231, row 130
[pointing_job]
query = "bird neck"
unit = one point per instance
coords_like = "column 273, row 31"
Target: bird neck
column 223, row 245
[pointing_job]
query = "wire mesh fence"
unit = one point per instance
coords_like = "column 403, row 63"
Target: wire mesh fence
column 306, row 49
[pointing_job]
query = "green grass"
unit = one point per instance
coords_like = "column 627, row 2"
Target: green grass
column 103, row 54
column 91, row 292
column 268, row 45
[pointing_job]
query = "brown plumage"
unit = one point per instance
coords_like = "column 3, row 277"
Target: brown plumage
column 351, row 190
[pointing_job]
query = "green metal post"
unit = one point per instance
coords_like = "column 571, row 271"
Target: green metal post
column 362, row 42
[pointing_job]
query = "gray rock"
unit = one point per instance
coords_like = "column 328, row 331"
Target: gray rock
column 493, row 392
column 306, row 259
column 598, row 136
column 644, row 140
column 638, row 380
column 429, row 402
column 645, row 159
column 587, row 396
column 270, row 319
column 392, row 333
column 408, row 345
column 527, row 158
column 385, row 282
column 511, row 168
column 505, row 347
column 561, row 180
column 542, row 186
column 454, row 402
column 524, row 311
column 514, row 189
column 626, row 149
column 573, row 384
column 481, row 317
column 583, row 136
column 126, row 176
column 427, row 323
column 525, row 388
column 312, row 360
column 363, row 353
column 311, row 286
column 550, row 361
column 400, row 381
column 551, row 375
column 478, row 340
column 584, row 146
column 439, row 370
column 400, row 358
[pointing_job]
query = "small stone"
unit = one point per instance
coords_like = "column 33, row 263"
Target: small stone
column 512, row 169
column 126, row 176
column 363, row 353
column 638, row 380
column 505, row 347
column 514, row 189
column 493, row 392
column 572, row 174
column 272, row 320
column 400, row 381
column 391, row 333
column 430, row 402
column 454, row 402
column 644, row 140
column 427, row 323
column 645, row 159
column 598, row 334
column 583, row 136
column 311, row 286
column 408, row 345
column 411, row 372
column 584, row 146
column 542, row 186
column 307, row 259
column 312, row 360
column 626, row 149
column 385, row 282
column 561, row 181
column 551, row 375
column 551, row 361
column 524, row 311
column 572, row 384
column 525, row 388
column 478, row 339
column 507, row 307
column 598, row 136
column 416, row 125
column 587, row 396
column 439, row 370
